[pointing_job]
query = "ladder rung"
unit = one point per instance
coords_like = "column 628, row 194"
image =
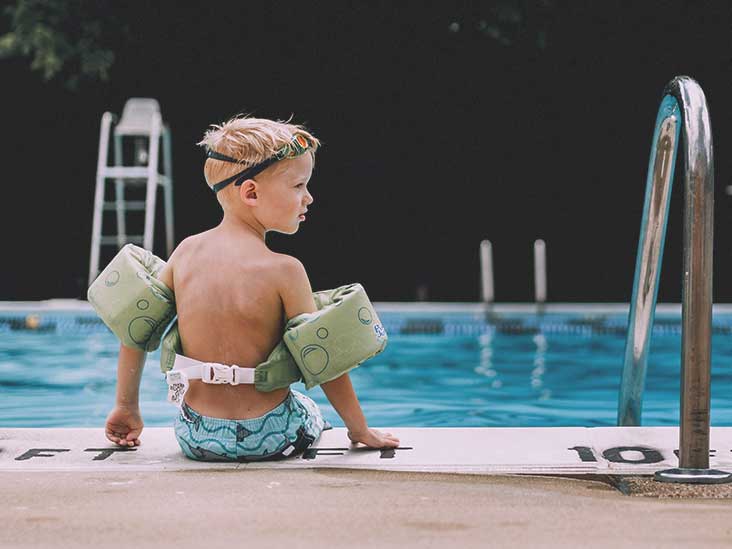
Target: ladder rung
column 127, row 205
column 125, row 171
column 135, row 239
column 133, row 173
column 139, row 180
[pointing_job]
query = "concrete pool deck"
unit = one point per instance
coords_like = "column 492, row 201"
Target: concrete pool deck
column 71, row 488
column 342, row 508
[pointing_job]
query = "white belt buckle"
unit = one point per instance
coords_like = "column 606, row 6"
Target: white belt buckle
column 212, row 372
column 242, row 375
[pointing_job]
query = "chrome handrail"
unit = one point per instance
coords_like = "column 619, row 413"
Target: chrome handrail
column 683, row 105
column 648, row 260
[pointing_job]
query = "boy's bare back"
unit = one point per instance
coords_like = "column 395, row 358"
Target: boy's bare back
column 233, row 297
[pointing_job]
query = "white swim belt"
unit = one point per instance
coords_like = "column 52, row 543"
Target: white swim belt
column 185, row 369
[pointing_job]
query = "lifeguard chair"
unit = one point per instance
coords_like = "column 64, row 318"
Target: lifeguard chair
column 141, row 123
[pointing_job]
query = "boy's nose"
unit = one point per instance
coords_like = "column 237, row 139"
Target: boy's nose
column 309, row 198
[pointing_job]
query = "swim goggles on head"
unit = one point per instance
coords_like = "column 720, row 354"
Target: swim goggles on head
column 296, row 147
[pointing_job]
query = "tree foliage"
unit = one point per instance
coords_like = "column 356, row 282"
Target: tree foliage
column 77, row 41
column 70, row 40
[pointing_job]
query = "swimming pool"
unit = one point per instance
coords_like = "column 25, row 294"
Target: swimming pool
column 444, row 366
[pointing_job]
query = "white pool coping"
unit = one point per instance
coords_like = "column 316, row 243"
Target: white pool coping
column 475, row 450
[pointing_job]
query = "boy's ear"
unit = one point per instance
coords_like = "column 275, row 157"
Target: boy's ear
column 248, row 191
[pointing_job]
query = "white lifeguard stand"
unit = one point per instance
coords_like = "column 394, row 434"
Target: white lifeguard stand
column 141, row 120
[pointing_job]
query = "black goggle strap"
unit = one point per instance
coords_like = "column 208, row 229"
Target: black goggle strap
column 296, row 147
column 219, row 156
column 241, row 177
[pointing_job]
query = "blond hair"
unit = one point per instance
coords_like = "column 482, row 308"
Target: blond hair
column 249, row 140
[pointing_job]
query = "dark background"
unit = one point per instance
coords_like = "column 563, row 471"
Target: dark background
column 443, row 124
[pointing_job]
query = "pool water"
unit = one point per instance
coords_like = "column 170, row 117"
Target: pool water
column 438, row 370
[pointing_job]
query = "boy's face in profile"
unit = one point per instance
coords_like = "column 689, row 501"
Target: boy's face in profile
column 283, row 195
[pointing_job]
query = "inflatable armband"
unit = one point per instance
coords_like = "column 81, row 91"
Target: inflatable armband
column 341, row 335
column 131, row 301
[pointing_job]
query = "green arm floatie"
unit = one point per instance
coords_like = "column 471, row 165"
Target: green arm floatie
column 131, row 301
column 345, row 332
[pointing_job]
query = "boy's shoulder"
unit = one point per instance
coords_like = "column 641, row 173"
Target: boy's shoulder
column 292, row 281
column 187, row 244
column 289, row 266
column 286, row 265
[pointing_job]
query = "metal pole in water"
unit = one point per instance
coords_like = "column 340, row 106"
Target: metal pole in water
column 539, row 271
column 486, row 271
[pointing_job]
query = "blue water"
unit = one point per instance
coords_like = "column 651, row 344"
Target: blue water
column 438, row 370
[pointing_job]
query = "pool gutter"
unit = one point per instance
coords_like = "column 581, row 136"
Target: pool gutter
column 78, row 305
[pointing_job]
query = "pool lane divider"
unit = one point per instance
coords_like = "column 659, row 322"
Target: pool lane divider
column 494, row 450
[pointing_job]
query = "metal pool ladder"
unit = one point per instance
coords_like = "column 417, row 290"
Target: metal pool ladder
column 683, row 105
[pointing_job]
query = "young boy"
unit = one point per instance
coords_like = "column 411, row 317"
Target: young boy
column 233, row 296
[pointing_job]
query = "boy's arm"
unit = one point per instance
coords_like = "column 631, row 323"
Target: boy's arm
column 129, row 372
column 297, row 298
column 341, row 395
column 131, row 361
column 124, row 423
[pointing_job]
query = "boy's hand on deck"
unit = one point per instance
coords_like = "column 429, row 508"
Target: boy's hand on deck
column 374, row 439
column 124, row 426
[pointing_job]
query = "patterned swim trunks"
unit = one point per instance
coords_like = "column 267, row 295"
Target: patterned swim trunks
column 280, row 433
